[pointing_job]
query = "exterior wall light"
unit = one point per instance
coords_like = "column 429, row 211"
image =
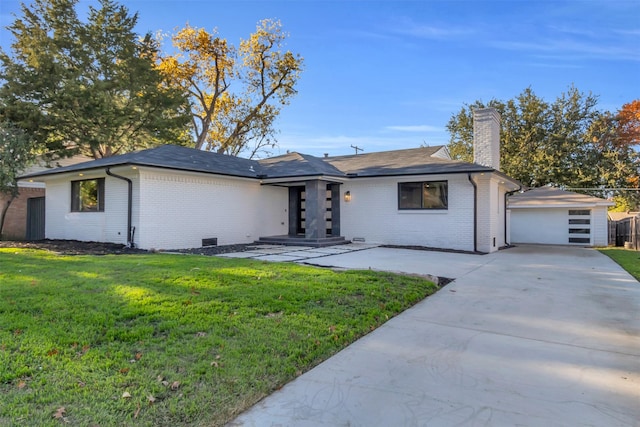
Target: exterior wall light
column 347, row 196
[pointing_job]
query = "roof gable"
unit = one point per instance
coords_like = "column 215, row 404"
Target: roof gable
column 295, row 165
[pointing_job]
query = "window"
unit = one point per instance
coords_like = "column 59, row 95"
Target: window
column 423, row 195
column 87, row 195
column 579, row 212
column 579, row 226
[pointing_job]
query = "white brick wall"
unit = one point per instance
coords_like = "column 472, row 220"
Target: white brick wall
column 107, row 226
column 491, row 212
column 174, row 210
column 486, row 137
column 178, row 210
column 373, row 214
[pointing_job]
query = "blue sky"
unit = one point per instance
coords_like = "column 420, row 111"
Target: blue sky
column 389, row 74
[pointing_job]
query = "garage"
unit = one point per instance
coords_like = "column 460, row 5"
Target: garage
column 551, row 216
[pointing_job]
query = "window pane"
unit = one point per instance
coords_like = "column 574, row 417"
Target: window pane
column 410, row 195
column 87, row 195
column 579, row 240
column 423, row 195
column 75, row 198
column 579, row 221
column 579, row 212
column 579, row 231
column 434, row 195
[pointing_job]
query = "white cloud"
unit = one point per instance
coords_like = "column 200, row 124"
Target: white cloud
column 567, row 49
column 434, row 32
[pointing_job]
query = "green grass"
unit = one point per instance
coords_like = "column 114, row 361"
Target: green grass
column 628, row 259
column 193, row 340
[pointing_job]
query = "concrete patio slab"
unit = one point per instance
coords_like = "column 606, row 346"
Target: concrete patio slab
column 278, row 247
column 333, row 250
column 535, row 336
column 442, row 264
column 271, row 251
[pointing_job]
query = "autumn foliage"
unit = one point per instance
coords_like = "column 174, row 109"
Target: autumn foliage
column 629, row 123
column 236, row 93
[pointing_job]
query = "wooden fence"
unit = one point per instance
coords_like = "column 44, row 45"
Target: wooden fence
column 627, row 233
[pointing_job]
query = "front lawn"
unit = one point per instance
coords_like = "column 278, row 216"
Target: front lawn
column 628, row 259
column 162, row 339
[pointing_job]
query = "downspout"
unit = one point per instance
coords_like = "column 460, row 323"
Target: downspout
column 507, row 194
column 129, row 206
column 475, row 213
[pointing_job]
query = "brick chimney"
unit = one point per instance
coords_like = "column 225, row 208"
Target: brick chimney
column 486, row 137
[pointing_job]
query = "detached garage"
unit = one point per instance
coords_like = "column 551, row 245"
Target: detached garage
column 551, row 216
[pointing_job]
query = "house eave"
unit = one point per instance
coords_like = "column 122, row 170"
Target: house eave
column 559, row 205
column 300, row 180
column 38, row 177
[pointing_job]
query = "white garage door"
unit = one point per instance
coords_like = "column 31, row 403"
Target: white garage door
column 551, row 226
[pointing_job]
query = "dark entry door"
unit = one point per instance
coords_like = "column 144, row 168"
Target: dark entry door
column 35, row 218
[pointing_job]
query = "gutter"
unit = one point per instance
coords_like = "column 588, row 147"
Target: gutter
column 475, row 213
column 129, row 205
column 507, row 242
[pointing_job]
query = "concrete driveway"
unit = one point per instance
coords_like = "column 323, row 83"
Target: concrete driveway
column 529, row 336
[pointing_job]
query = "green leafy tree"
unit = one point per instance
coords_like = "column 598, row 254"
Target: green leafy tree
column 90, row 87
column 236, row 93
column 567, row 143
column 16, row 154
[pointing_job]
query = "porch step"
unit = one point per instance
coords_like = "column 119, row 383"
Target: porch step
column 303, row 241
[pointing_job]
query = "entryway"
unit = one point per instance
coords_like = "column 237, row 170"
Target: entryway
column 314, row 215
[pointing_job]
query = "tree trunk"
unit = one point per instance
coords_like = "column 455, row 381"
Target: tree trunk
column 3, row 215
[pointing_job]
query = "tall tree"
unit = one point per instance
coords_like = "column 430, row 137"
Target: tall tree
column 16, row 154
column 568, row 142
column 236, row 93
column 629, row 123
column 90, row 87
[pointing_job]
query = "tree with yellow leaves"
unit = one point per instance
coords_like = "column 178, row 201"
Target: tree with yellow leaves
column 236, row 93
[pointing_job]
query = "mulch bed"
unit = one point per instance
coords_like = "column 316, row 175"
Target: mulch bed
column 74, row 247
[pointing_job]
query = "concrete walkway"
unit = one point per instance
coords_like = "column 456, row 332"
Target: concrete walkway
column 531, row 336
column 281, row 253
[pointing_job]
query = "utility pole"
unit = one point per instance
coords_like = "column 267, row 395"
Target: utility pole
column 355, row 147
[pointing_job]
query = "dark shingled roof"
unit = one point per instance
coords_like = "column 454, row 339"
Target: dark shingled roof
column 416, row 161
column 170, row 157
column 296, row 164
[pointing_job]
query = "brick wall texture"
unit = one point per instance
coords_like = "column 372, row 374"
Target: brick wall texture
column 15, row 224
